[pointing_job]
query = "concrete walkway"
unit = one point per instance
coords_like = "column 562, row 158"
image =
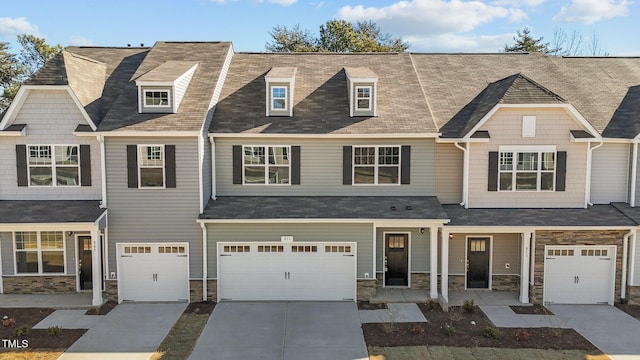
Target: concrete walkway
column 395, row 312
column 282, row 330
column 129, row 331
column 70, row 319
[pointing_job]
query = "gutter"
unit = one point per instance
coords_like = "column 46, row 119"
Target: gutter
column 465, row 174
column 213, row 168
column 587, row 193
column 204, row 262
column 103, row 169
column 634, row 170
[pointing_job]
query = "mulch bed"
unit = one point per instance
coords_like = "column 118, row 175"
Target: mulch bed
column 37, row 338
column 463, row 333
column 633, row 310
column 102, row 310
column 365, row 305
column 534, row 309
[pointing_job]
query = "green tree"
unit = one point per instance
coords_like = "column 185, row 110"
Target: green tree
column 35, row 52
column 335, row 36
column 525, row 42
column 10, row 70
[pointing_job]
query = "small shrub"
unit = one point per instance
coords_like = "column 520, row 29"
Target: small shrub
column 22, row 330
column 417, row 330
column 522, row 335
column 8, row 321
column 54, row 331
column 449, row 329
column 468, row 306
column 492, row 333
column 391, row 324
column 432, row 304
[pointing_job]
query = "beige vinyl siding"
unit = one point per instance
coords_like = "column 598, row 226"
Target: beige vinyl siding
column 6, row 250
column 610, row 173
column 506, row 249
column 70, row 253
column 457, row 254
column 362, row 234
column 51, row 117
column 155, row 215
column 552, row 128
column 448, row 173
column 420, row 248
column 181, row 86
column 321, row 169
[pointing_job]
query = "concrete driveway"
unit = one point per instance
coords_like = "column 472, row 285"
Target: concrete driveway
column 282, row 330
column 129, row 331
column 611, row 330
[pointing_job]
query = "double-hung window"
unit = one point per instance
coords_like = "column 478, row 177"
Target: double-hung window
column 279, row 98
column 39, row 252
column 363, row 97
column 156, row 98
column 151, row 166
column 527, row 170
column 376, row 164
column 53, row 165
column 267, row 164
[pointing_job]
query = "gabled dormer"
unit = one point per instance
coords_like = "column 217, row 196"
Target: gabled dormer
column 362, row 86
column 161, row 90
column 280, row 83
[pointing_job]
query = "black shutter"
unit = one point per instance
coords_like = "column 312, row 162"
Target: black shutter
column 21, row 165
column 405, row 165
column 85, row 165
column 295, row 165
column 493, row 171
column 132, row 166
column 346, row 165
column 561, row 170
column 237, row 164
column 170, row 166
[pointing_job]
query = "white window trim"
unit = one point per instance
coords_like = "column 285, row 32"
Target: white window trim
column 286, row 97
column 370, row 98
column 514, row 149
column 53, row 166
column 140, row 166
column 265, row 165
column 375, row 166
column 169, row 98
column 39, row 252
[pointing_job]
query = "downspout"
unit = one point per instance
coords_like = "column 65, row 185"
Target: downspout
column 634, row 169
column 204, row 262
column 213, row 168
column 103, row 169
column 625, row 251
column 587, row 195
column 465, row 174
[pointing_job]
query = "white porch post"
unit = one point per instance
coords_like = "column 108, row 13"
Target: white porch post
column 433, row 241
column 524, row 267
column 96, row 266
column 444, row 267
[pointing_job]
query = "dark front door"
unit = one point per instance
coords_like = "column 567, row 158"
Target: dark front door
column 397, row 259
column 84, row 263
column 478, row 262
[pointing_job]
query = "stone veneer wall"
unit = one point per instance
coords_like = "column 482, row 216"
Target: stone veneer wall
column 420, row 281
column 577, row 237
column 505, row 283
column 633, row 295
column 195, row 290
column 39, row 284
column 111, row 290
column 365, row 289
column 456, row 283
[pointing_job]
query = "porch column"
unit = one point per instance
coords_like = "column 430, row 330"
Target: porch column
column 444, row 266
column 96, row 266
column 525, row 261
column 433, row 240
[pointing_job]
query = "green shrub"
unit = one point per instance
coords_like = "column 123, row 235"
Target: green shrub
column 22, row 330
column 449, row 329
column 468, row 306
column 492, row 332
column 54, row 331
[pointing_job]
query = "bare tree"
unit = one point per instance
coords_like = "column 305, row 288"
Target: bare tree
column 567, row 44
column 594, row 48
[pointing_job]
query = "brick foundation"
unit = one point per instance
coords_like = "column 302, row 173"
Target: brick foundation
column 633, row 295
column 505, row 283
column 39, row 284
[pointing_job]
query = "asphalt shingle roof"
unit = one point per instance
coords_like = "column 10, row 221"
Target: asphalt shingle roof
column 324, row 207
column 49, row 211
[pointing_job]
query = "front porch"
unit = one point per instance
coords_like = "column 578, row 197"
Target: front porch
column 456, row 298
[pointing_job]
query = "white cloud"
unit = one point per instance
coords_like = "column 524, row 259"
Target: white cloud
column 458, row 43
column 518, row 3
column 77, row 40
column 517, row 15
column 591, row 11
column 10, row 27
column 279, row 2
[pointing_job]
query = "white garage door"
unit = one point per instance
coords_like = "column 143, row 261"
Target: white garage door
column 153, row 272
column 579, row 274
column 286, row 271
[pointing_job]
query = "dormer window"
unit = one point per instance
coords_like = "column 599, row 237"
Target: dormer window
column 156, row 98
column 362, row 86
column 162, row 89
column 280, row 85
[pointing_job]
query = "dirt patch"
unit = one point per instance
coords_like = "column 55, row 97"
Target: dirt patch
column 102, row 310
column 633, row 310
column 365, row 305
column 482, row 353
column 458, row 328
column 534, row 309
column 184, row 334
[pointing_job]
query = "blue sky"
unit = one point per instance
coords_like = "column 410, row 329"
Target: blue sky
column 428, row 25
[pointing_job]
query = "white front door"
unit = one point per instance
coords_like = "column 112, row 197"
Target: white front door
column 286, row 271
column 581, row 274
column 153, row 272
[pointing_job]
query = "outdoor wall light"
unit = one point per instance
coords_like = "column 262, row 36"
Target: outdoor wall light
column 421, row 230
column 69, row 233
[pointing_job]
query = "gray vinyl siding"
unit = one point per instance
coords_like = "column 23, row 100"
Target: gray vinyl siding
column 609, row 173
column 448, row 173
column 321, row 169
column 70, row 252
column 51, row 118
column 6, row 250
column 155, row 215
column 362, row 234
column 420, row 258
column 506, row 249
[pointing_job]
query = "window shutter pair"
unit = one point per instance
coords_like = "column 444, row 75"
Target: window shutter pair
column 561, row 171
column 405, row 165
column 22, row 165
column 238, row 158
column 169, row 166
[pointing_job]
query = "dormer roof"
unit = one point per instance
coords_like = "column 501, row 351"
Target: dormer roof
column 281, row 74
column 361, row 74
column 166, row 73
